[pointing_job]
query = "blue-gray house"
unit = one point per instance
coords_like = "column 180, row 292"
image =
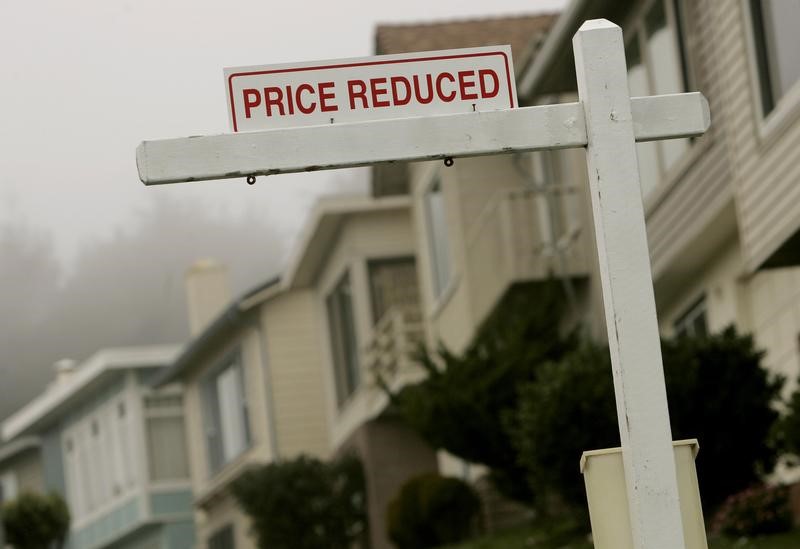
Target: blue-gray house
column 115, row 449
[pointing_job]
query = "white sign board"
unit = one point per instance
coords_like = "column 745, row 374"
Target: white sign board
column 370, row 88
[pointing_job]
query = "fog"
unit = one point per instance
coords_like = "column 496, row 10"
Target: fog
column 89, row 257
column 126, row 288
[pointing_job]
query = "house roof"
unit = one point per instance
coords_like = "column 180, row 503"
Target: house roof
column 320, row 232
column 522, row 32
column 552, row 66
column 231, row 318
column 18, row 446
column 61, row 395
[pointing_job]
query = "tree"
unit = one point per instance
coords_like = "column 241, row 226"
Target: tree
column 305, row 503
column 462, row 404
column 36, row 521
column 718, row 393
column 568, row 409
column 722, row 395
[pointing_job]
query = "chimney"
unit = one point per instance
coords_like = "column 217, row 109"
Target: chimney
column 64, row 368
column 207, row 293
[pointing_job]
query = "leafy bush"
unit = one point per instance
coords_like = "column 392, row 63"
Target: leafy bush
column 36, row 521
column 570, row 408
column 787, row 430
column 305, row 503
column 461, row 404
column 757, row 510
column 432, row 510
column 718, row 393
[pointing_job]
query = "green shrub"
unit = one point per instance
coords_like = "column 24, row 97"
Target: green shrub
column 461, row 405
column 718, row 393
column 755, row 511
column 36, row 521
column 431, row 510
column 305, row 503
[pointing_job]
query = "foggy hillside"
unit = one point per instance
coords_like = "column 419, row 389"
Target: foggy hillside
column 126, row 289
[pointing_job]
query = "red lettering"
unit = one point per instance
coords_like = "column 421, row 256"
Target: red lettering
column 463, row 84
column 395, row 93
column 420, row 99
column 360, row 94
column 290, row 99
column 251, row 99
column 325, row 95
column 377, row 92
column 305, row 109
column 493, row 75
column 449, row 97
column 276, row 101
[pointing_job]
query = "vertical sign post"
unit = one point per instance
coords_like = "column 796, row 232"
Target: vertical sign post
column 633, row 338
column 608, row 123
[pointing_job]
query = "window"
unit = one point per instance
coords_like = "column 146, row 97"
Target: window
column 392, row 282
column 8, row 486
column 438, row 241
column 226, row 417
column 222, row 538
column 166, row 438
column 777, row 44
column 98, row 458
column 657, row 65
column 693, row 322
column 347, row 370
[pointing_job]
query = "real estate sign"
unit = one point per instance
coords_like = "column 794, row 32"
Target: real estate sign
column 380, row 87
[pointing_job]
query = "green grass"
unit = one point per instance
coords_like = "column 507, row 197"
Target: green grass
column 563, row 537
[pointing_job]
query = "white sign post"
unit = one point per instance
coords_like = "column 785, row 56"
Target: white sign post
column 608, row 123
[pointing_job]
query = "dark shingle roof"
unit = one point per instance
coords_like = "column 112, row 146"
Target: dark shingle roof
column 521, row 32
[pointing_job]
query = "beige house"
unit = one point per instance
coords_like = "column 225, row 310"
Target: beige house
column 253, row 391
column 723, row 210
column 357, row 257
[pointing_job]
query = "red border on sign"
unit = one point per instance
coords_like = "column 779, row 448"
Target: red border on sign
column 366, row 64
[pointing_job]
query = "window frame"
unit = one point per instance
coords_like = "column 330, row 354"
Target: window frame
column 172, row 411
column 441, row 287
column 636, row 30
column 212, row 417
column 389, row 260
column 216, row 535
column 342, row 387
column 787, row 109
column 683, row 325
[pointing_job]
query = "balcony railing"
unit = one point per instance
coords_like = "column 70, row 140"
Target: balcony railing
column 525, row 235
column 387, row 357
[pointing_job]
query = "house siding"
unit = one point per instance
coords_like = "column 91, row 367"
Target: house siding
column 768, row 178
column 295, row 368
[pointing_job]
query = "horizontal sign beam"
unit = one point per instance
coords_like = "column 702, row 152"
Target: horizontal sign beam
column 334, row 146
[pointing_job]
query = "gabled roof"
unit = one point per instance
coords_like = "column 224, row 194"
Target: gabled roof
column 320, row 232
column 552, row 66
column 231, row 318
column 60, row 396
column 522, row 32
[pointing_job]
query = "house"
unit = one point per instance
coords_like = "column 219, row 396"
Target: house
column 253, row 386
column 112, row 447
column 722, row 210
column 361, row 258
column 487, row 224
column 20, row 468
column 357, row 258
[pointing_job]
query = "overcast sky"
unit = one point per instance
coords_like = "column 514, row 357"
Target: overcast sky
column 84, row 82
